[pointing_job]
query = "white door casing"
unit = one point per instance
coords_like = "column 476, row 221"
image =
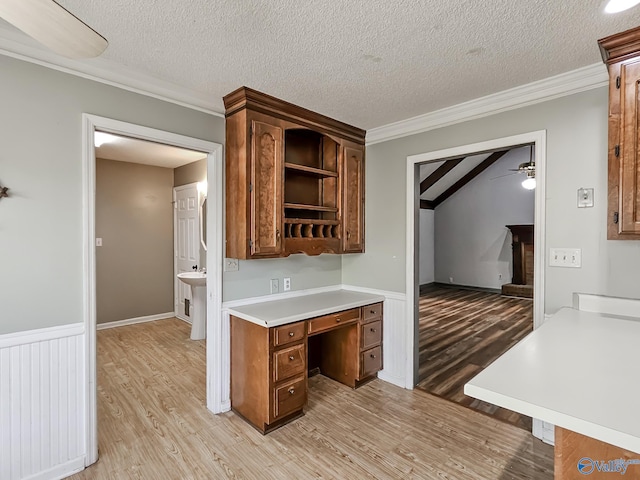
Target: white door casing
column 186, row 242
column 216, row 331
column 539, row 139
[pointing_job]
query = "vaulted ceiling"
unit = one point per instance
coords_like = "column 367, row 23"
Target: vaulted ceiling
column 366, row 62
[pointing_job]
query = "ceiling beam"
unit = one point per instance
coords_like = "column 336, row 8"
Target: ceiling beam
column 438, row 173
column 426, row 204
column 482, row 166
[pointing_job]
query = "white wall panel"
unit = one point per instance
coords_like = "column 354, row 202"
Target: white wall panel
column 42, row 403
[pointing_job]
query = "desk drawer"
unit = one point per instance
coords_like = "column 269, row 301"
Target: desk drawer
column 370, row 361
column 371, row 312
column 289, row 397
column 289, row 362
column 328, row 322
column 370, row 334
column 290, row 333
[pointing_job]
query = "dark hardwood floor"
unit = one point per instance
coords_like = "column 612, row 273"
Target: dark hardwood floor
column 461, row 333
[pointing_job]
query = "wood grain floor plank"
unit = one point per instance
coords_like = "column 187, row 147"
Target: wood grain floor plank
column 461, row 332
column 153, row 424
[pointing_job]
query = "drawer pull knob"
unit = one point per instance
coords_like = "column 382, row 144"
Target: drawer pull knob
column 291, row 334
column 373, row 330
column 338, row 319
column 373, row 356
column 291, row 357
column 292, row 391
column 372, row 312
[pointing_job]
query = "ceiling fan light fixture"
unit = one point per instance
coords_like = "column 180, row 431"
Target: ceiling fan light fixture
column 54, row 27
column 529, row 183
column 615, row 6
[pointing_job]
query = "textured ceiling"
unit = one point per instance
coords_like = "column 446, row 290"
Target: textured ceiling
column 125, row 149
column 366, row 62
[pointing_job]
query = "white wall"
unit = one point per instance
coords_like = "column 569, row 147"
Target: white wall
column 41, row 162
column 427, row 246
column 41, row 223
column 576, row 128
column 472, row 243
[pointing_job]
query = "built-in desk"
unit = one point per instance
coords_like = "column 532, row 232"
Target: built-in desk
column 579, row 371
column 276, row 345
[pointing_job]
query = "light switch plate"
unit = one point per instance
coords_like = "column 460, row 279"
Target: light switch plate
column 98, row 241
column 565, row 257
column 585, row 197
column 231, row 265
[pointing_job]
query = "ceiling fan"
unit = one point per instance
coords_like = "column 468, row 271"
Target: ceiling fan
column 529, row 168
column 53, row 26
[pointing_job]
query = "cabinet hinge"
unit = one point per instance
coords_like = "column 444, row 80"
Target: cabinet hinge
column 616, row 150
column 615, row 217
column 251, row 187
column 618, row 82
column 250, row 243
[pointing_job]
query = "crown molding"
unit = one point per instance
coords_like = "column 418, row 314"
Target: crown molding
column 580, row 80
column 15, row 45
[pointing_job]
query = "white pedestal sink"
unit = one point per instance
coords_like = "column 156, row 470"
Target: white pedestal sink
column 198, row 283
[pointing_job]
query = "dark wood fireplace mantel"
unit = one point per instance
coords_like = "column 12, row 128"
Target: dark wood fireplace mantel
column 522, row 254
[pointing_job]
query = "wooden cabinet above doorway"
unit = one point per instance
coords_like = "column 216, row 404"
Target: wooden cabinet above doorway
column 294, row 180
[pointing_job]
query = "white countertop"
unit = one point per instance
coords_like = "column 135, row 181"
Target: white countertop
column 579, row 371
column 281, row 312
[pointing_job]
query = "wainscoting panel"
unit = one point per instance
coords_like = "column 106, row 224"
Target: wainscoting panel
column 42, row 403
column 394, row 336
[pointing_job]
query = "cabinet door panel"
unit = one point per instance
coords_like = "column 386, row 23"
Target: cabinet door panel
column 266, row 189
column 629, row 165
column 353, row 200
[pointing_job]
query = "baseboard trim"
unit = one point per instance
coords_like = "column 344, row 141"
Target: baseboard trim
column 62, row 470
column 393, row 379
column 467, row 287
column 133, row 321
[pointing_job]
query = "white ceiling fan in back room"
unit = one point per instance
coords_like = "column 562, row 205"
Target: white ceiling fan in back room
column 54, row 27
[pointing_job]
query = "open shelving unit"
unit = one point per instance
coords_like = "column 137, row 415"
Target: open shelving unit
column 311, row 186
column 294, row 180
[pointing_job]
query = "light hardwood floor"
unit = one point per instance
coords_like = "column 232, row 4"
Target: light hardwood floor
column 463, row 331
column 153, row 425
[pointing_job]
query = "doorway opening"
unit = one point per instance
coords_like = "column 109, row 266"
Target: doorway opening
column 472, row 306
column 461, row 321
column 154, row 194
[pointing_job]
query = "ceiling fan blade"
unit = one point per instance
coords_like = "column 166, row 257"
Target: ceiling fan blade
column 54, row 27
column 505, row 175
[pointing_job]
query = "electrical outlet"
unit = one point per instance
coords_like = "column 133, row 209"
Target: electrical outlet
column 98, row 242
column 286, row 284
column 565, row 257
column 275, row 287
column 231, row 265
column 450, row 279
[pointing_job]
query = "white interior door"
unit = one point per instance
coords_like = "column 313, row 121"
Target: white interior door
column 186, row 242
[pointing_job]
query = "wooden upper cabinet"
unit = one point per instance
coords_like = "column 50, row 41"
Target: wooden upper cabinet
column 621, row 53
column 294, row 180
column 266, row 189
column 353, row 199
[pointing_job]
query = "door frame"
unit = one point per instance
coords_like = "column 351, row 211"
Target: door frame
column 215, row 235
column 539, row 139
column 175, row 245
